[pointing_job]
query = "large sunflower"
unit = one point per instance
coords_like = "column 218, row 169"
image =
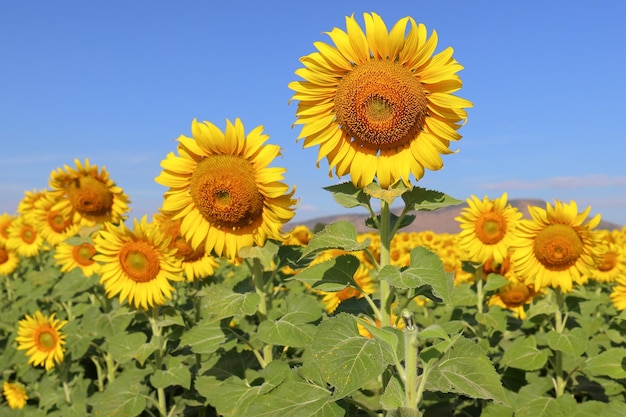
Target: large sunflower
column 223, row 190
column 88, row 194
column 42, row 339
column 138, row 265
column 15, row 394
column 378, row 103
column 556, row 248
column 487, row 228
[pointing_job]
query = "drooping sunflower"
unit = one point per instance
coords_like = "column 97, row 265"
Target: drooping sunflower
column 88, row 194
column 137, row 264
column 53, row 225
column 9, row 260
column 487, row 228
column 15, row 394
column 24, row 238
column 557, row 248
column 42, row 339
column 70, row 256
column 196, row 263
column 380, row 104
column 223, row 190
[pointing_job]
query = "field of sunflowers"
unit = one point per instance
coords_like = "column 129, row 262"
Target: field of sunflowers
column 217, row 305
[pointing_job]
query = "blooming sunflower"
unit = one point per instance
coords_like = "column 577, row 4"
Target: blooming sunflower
column 487, row 228
column 612, row 264
column 618, row 296
column 9, row 260
column 88, row 194
column 5, row 221
column 15, row 394
column 53, row 225
column 42, row 339
column 27, row 204
column 24, row 238
column 70, row 256
column 379, row 103
column 556, row 248
column 196, row 263
column 223, row 190
column 138, row 265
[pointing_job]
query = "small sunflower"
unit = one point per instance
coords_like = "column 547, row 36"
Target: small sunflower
column 612, row 265
column 137, row 265
column 5, row 221
column 24, row 238
column 27, row 203
column 223, row 190
column 9, row 260
column 53, row 225
column 618, row 296
column 88, row 194
column 15, row 394
column 379, row 103
column 514, row 296
column 196, row 263
column 556, row 248
column 42, row 339
column 70, row 256
column 487, row 228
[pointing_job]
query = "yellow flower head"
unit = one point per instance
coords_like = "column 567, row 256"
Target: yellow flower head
column 42, row 339
column 24, row 238
column 379, row 103
column 612, row 264
column 556, row 248
column 70, row 256
column 52, row 224
column 487, row 228
column 223, row 190
column 9, row 260
column 15, row 394
column 88, row 194
column 137, row 265
column 5, row 221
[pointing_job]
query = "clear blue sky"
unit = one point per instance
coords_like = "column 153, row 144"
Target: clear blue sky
column 119, row 81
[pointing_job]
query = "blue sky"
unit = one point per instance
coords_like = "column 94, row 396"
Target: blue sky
column 118, row 81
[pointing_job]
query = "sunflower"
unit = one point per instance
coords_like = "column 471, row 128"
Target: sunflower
column 362, row 277
column 42, row 339
column 618, row 296
column 223, row 190
column 9, row 260
column 5, row 221
column 379, row 103
column 87, row 194
column 70, row 256
column 487, row 228
column 556, row 248
column 612, row 265
column 196, row 263
column 138, row 265
column 27, row 204
column 15, row 394
column 24, row 238
column 53, row 225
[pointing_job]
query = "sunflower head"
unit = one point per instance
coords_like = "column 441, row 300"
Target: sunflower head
column 222, row 190
column 15, row 394
column 379, row 102
column 42, row 339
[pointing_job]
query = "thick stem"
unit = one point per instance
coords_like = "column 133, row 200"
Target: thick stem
column 158, row 356
column 264, row 304
column 410, row 361
column 559, row 326
column 385, row 259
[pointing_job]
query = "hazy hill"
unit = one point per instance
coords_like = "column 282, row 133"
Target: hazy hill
column 439, row 221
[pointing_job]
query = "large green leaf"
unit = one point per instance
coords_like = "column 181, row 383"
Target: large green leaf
column 123, row 397
column 572, row 342
column 222, row 302
column 420, row 198
column 123, row 346
column 465, row 369
column 348, row 195
column 523, row 354
column 113, row 323
column 332, row 275
column 608, row 363
column 338, row 235
column 178, row 375
column 346, row 359
column 205, row 337
column 285, row 333
column 265, row 253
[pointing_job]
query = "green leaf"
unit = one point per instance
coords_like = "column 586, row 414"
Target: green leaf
column 425, row 269
column 346, row 359
column 393, row 396
column 434, row 331
column 123, row 397
column 386, row 194
column 179, row 375
column 123, row 346
column 348, row 195
column 465, row 369
column 523, row 354
column 608, row 363
column 337, row 235
column 205, row 337
column 572, row 342
column 332, row 275
column 265, row 253
column 226, row 396
column 223, row 302
column 113, row 323
column 284, row 333
column 494, row 282
column 422, row 199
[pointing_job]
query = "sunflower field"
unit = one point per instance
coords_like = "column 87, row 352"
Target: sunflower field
column 218, row 305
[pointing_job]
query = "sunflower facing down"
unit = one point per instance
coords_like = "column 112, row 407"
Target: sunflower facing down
column 15, row 394
column 42, row 339
column 379, row 103
column 556, row 248
column 487, row 228
column 137, row 265
column 223, row 190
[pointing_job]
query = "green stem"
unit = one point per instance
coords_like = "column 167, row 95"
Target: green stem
column 158, row 356
column 385, row 259
column 410, row 361
column 264, row 304
column 559, row 326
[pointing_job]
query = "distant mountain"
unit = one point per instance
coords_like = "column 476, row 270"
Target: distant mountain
column 438, row 221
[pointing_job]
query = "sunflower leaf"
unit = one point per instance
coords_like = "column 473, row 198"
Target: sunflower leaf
column 421, row 199
column 265, row 253
column 386, row 195
column 611, row 363
column 523, row 354
column 332, row 275
column 348, row 195
column 338, row 235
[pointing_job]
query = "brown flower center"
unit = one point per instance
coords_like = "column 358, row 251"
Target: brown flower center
column 381, row 105
column 515, row 295
column 608, row 261
column 28, row 234
column 4, row 255
column 83, row 254
column 140, row 261
column 558, row 247
column 224, row 189
column 46, row 338
column 57, row 221
column 4, row 229
column 90, row 196
column 490, row 228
